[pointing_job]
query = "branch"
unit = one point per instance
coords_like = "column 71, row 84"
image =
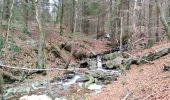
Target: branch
column 127, row 95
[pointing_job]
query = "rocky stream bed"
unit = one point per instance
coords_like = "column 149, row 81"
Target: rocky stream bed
column 92, row 75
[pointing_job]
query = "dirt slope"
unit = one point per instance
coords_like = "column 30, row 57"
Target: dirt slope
column 143, row 82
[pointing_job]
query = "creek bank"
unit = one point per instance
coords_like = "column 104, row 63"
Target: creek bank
column 95, row 76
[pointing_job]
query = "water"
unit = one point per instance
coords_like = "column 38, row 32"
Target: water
column 39, row 97
column 99, row 63
column 35, row 97
column 72, row 81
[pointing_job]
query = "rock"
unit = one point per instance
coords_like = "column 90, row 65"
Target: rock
column 88, row 63
column 166, row 68
column 111, row 56
column 39, row 85
column 82, row 79
column 11, row 92
column 128, row 61
column 114, row 64
column 88, row 83
column 69, row 74
column 103, row 77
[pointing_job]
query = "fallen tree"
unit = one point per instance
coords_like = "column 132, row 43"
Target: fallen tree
column 145, row 58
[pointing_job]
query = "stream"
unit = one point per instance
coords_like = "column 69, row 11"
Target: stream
column 99, row 72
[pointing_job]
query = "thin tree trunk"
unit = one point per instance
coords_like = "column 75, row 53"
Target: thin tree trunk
column 41, row 60
column 61, row 7
column 2, row 12
column 111, row 20
column 157, row 25
column 1, row 83
column 134, row 17
column 163, row 20
column 72, row 19
column 75, row 20
column 98, row 26
column 8, row 29
column 121, row 33
column 150, row 25
column 25, row 16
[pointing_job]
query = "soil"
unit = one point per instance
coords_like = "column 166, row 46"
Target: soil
column 141, row 82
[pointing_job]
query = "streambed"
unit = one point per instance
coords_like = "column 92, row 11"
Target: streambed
column 98, row 73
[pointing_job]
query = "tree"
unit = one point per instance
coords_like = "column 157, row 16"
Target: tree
column 111, row 19
column 41, row 42
column 163, row 20
column 25, row 13
column 150, row 25
column 61, row 10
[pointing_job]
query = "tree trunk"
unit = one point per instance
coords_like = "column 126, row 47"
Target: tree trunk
column 111, row 20
column 150, row 25
column 1, row 83
column 163, row 20
column 25, row 15
column 8, row 29
column 157, row 25
column 41, row 60
column 61, row 7
column 72, row 19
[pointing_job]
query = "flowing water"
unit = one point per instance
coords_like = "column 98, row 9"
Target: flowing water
column 65, row 85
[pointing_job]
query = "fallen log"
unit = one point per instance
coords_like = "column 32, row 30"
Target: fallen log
column 145, row 58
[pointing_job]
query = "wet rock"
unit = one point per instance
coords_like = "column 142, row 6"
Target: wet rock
column 39, row 85
column 114, row 64
column 103, row 77
column 127, row 63
column 82, row 79
column 91, row 80
column 69, row 74
column 111, row 56
column 166, row 68
column 11, row 92
column 88, row 63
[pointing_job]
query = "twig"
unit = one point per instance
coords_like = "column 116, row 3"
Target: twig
column 127, row 95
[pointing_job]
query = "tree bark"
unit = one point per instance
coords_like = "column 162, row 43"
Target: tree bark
column 61, row 7
column 163, row 20
column 41, row 60
column 150, row 25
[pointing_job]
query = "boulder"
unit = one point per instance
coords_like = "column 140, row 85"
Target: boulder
column 103, row 77
column 111, row 56
column 83, row 79
column 88, row 63
column 114, row 64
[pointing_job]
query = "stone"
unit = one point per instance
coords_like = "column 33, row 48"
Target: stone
column 114, row 64
column 82, row 79
column 111, row 56
column 88, row 63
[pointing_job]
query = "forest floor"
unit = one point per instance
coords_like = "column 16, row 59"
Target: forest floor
column 141, row 82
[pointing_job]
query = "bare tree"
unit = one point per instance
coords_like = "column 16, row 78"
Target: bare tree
column 163, row 20
column 61, row 8
column 41, row 60
column 150, row 25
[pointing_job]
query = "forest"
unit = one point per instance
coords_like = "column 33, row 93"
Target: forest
column 84, row 49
